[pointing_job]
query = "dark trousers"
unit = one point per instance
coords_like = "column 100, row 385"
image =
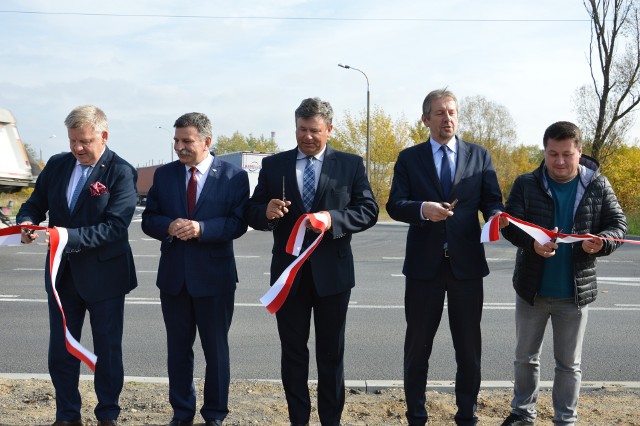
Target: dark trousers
column 294, row 319
column 211, row 316
column 107, row 317
column 424, row 302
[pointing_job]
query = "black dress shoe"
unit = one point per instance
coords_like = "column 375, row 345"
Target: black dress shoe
column 517, row 420
column 107, row 423
column 214, row 422
column 67, row 423
column 181, row 423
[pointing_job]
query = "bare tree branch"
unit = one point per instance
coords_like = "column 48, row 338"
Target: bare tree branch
column 615, row 79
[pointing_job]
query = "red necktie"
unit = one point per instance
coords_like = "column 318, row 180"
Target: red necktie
column 192, row 189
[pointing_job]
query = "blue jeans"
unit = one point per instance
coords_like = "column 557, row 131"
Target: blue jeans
column 569, row 322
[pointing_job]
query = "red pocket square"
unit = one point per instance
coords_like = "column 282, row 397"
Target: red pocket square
column 97, row 189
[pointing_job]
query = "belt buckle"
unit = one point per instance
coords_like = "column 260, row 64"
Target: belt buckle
column 446, row 252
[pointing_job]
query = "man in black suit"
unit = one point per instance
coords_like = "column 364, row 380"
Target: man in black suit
column 91, row 192
column 444, row 253
column 197, row 273
column 334, row 184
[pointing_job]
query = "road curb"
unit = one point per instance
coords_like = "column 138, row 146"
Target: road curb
column 365, row 386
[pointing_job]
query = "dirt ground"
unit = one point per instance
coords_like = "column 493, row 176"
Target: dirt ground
column 31, row 402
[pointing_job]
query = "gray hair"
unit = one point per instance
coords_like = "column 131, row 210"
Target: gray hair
column 87, row 115
column 311, row 107
column 437, row 94
column 562, row 130
column 198, row 120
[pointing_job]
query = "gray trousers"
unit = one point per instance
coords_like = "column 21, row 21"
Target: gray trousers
column 569, row 323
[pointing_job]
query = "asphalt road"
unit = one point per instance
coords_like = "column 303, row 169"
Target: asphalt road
column 375, row 328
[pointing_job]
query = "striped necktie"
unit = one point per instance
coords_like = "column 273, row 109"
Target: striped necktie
column 309, row 184
column 76, row 192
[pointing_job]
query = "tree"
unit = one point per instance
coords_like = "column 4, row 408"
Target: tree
column 622, row 172
column 419, row 132
column 490, row 124
column 239, row 142
column 388, row 138
column 486, row 123
column 614, row 60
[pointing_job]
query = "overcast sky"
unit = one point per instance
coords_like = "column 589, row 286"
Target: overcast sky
column 250, row 74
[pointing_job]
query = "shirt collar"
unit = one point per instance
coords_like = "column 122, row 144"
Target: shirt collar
column 204, row 165
column 94, row 164
column 452, row 144
column 319, row 156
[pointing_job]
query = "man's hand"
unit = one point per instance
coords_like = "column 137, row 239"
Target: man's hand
column 318, row 230
column 184, row 229
column 27, row 236
column 502, row 221
column 548, row 249
column 277, row 209
column 436, row 212
column 594, row 245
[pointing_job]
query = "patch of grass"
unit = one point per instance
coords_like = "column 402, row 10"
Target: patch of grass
column 633, row 222
column 18, row 198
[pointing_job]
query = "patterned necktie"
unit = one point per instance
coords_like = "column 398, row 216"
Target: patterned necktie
column 76, row 192
column 445, row 172
column 192, row 189
column 308, row 184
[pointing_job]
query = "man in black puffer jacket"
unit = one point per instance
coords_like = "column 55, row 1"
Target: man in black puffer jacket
column 566, row 193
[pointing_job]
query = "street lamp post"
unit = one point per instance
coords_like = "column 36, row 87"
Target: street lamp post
column 168, row 131
column 368, row 158
column 50, row 137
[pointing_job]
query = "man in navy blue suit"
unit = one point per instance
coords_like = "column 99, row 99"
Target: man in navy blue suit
column 316, row 178
column 195, row 208
column 97, row 267
column 444, row 254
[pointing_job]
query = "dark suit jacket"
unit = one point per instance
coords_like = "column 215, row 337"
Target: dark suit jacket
column 475, row 186
column 343, row 190
column 98, row 250
column 206, row 265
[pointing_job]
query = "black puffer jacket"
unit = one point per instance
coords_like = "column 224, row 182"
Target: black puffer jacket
column 596, row 211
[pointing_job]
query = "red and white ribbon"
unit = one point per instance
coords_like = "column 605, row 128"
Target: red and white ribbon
column 491, row 232
column 57, row 241
column 277, row 294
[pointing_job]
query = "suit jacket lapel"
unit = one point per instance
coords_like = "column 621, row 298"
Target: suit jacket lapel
column 463, row 160
column 181, row 177
column 429, row 165
column 328, row 164
column 291, row 189
column 209, row 184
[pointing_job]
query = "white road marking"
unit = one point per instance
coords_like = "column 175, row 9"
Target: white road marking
column 623, row 281
column 487, row 306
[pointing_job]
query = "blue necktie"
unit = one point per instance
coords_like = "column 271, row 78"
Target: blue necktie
column 79, row 185
column 308, row 184
column 445, row 172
